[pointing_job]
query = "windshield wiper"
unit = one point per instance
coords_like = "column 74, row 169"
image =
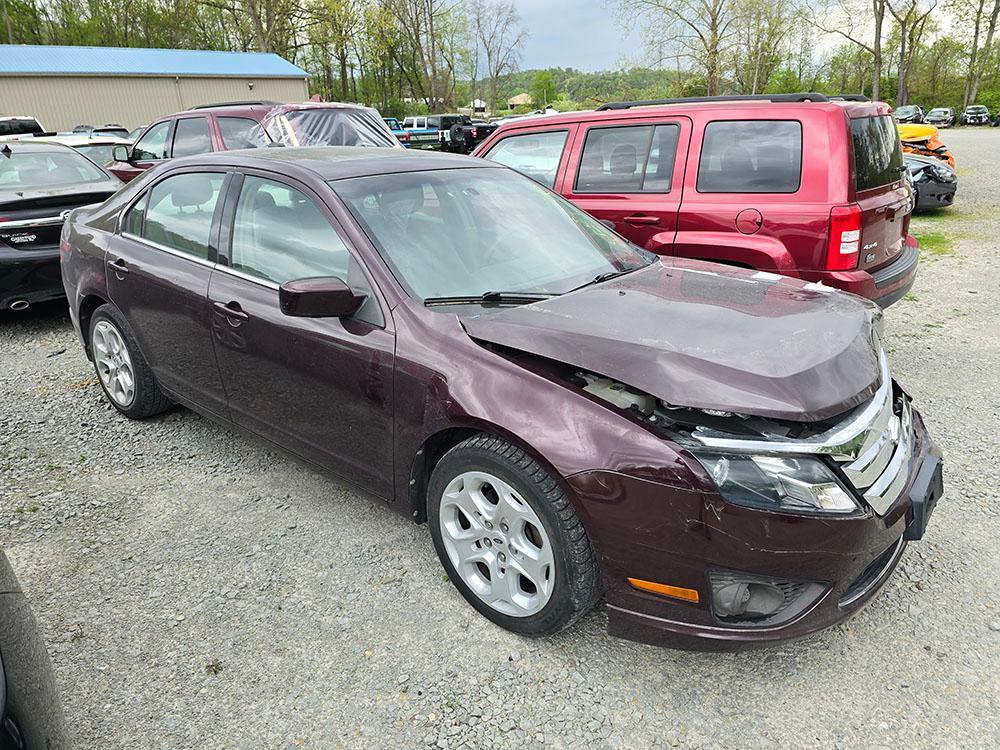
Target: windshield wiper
column 606, row 276
column 500, row 298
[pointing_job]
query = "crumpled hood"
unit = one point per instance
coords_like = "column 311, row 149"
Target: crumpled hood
column 709, row 337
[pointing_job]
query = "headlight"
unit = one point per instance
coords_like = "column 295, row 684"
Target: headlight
column 802, row 484
column 943, row 174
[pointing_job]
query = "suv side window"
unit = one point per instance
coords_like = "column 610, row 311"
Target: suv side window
column 179, row 212
column 628, row 159
column 751, row 156
column 240, row 132
column 279, row 234
column 153, row 145
column 191, row 137
column 535, row 155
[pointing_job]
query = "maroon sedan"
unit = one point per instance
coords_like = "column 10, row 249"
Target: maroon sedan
column 720, row 453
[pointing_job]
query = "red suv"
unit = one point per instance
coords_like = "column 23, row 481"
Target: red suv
column 796, row 184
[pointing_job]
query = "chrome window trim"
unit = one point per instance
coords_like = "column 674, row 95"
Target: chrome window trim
column 845, row 442
column 248, row 277
column 170, row 250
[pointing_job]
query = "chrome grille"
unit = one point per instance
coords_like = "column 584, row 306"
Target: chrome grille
column 873, row 445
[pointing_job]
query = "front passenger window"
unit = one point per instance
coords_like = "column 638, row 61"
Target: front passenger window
column 153, row 144
column 535, row 155
column 180, row 210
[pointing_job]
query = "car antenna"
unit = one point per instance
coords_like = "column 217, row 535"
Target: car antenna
column 5, row 150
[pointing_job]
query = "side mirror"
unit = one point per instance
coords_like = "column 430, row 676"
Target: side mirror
column 319, row 297
column 120, row 153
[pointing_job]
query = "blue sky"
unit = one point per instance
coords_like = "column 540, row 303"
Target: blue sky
column 583, row 34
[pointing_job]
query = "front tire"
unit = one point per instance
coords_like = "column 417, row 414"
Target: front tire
column 124, row 375
column 510, row 539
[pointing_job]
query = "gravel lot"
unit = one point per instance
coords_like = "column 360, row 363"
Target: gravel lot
column 199, row 590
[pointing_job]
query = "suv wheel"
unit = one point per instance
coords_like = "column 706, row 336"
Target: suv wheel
column 125, row 378
column 509, row 538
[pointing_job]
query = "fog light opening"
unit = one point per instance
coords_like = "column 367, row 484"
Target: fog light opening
column 747, row 600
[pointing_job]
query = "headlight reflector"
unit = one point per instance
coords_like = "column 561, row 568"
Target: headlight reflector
column 797, row 484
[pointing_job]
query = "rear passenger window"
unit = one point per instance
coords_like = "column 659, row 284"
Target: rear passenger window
column 191, row 137
column 180, row 210
column 240, row 132
column 133, row 219
column 633, row 159
column 752, row 156
column 535, row 155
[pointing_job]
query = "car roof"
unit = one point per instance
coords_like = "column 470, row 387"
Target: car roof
column 79, row 139
column 853, row 109
column 338, row 162
column 34, row 146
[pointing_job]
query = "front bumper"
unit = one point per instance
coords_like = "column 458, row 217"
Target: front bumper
column 884, row 286
column 29, row 275
column 931, row 194
column 677, row 536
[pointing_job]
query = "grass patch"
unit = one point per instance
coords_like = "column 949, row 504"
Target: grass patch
column 910, row 297
column 935, row 244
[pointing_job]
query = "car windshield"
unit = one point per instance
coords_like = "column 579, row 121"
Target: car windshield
column 938, row 111
column 907, row 110
column 977, row 108
column 99, row 152
column 466, row 232
column 328, row 126
column 40, row 169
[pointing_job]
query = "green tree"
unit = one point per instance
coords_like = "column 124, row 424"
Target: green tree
column 543, row 89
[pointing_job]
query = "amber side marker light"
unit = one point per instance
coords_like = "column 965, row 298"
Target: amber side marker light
column 676, row 592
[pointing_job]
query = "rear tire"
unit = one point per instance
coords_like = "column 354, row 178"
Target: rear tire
column 510, row 539
column 122, row 371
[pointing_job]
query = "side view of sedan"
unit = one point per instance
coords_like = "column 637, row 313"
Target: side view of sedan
column 721, row 454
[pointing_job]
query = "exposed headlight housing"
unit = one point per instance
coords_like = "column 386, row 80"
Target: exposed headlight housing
column 790, row 484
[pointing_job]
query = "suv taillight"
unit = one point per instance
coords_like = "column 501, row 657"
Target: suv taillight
column 845, row 238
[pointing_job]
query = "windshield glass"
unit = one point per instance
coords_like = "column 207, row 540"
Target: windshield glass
column 99, row 152
column 938, row 111
column 907, row 110
column 465, row 232
column 328, row 126
column 977, row 108
column 30, row 169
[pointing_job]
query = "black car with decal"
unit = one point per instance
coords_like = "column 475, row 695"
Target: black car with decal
column 40, row 183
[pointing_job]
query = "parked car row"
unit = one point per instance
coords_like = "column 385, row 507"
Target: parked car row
column 541, row 366
column 943, row 117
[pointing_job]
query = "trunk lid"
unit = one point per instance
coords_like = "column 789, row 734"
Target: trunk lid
column 33, row 219
column 709, row 337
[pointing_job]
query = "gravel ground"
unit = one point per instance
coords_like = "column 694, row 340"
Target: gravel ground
column 199, row 590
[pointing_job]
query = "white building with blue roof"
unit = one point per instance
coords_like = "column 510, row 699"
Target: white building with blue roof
column 67, row 86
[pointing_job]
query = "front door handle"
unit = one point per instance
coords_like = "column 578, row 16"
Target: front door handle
column 641, row 220
column 233, row 312
column 118, row 266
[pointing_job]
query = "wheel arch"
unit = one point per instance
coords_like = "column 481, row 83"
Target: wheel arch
column 435, row 446
column 88, row 305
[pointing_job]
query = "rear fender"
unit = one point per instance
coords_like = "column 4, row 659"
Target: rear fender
column 753, row 251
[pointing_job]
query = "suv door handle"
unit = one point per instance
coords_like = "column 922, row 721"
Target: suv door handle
column 118, row 266
column 233, row 311
column 641, row 220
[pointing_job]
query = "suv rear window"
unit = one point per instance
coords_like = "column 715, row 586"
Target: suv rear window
column 878, row 159
column 751, row 156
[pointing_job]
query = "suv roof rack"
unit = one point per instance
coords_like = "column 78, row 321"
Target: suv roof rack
column 801, row 97
column 259, row 102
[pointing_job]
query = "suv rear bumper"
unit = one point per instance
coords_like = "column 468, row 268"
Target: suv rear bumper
column 883, row 286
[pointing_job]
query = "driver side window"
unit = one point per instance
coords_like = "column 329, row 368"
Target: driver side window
column 280, row 234
column 153, row 145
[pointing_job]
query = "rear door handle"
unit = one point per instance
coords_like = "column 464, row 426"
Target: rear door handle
column 641, row 220
column 118, row 266
column 233, row 311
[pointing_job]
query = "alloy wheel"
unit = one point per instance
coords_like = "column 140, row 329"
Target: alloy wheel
column 114, row 365
column 497, row 543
